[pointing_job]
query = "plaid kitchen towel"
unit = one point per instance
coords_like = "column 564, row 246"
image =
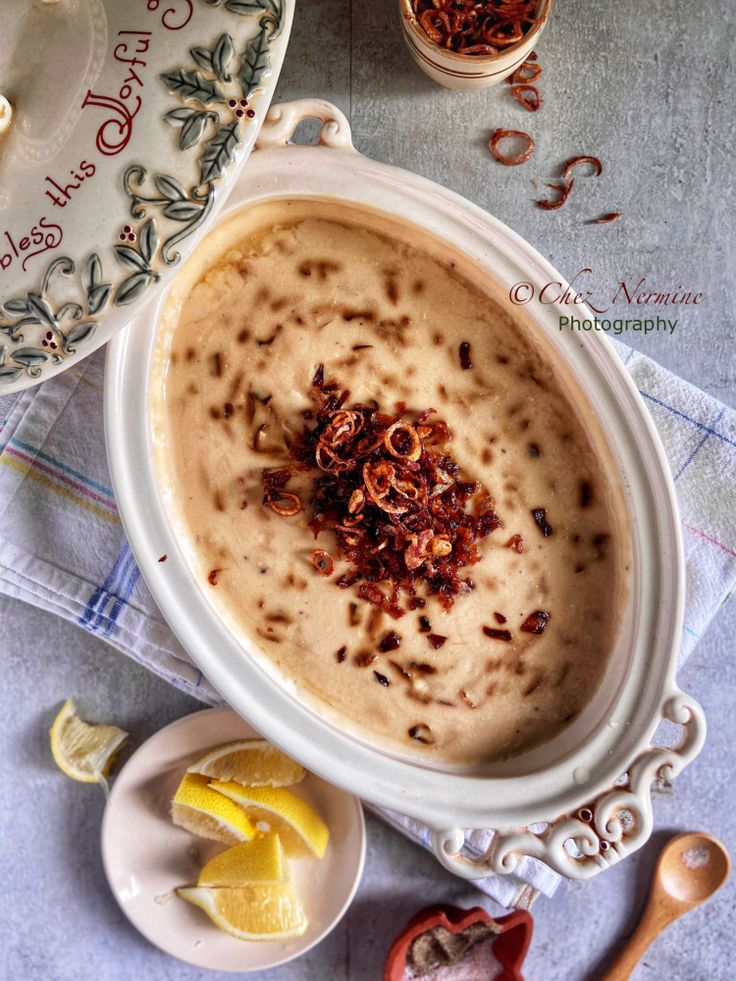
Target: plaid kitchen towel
column 62, row 546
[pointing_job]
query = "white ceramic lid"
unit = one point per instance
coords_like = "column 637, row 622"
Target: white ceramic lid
column 122, row 129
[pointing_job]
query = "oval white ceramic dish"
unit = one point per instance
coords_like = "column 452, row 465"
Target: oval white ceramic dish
column 467, row 72
column 587, row 792
column 147, row 858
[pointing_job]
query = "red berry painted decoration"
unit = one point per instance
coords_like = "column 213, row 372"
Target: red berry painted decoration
column 239, row 107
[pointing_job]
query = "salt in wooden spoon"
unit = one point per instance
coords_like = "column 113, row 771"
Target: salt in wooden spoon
column 691, row 867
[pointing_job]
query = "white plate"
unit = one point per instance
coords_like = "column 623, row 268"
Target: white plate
column 146, row 857
column 127, row 132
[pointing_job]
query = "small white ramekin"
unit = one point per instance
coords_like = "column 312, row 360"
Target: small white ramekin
column 467, row 72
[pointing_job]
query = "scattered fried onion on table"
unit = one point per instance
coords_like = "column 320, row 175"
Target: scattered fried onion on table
column 567, row 182
column 475, row 27
column 528, row 95
column 519, row 158
column 387, row 488
column 562, row 189
column 606, row 219
column 526, row 73
column 577, row 161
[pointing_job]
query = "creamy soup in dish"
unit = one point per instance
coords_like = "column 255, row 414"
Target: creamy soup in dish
column 296, row 311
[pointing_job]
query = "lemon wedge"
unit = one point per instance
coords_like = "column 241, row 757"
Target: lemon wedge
column 208, row 814
column 260, row 860
column 82, row 750
column 301, row 830
column 261, row 911
column 253, row 762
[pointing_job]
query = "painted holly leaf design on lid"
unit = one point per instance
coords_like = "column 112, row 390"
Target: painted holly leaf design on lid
column 214, row 91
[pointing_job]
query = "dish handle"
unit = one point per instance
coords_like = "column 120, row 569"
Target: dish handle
column 598, row 835
column 282, row 120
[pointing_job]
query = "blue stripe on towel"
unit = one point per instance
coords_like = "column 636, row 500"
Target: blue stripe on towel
column 115, row 590
column 102, row 590
column 700, row 445
column 682, row 415
column 112, row 597
column 65, row 468
column 134, row 575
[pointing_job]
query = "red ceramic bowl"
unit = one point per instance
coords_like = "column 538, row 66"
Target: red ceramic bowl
column 509, row 947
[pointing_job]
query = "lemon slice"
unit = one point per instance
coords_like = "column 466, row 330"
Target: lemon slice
column 301, row 830
column 253, row 762
column 262, row 911
column 81, row 750
column 208, row 814
column 260, row 860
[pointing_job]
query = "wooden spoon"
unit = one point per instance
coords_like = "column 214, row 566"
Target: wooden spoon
column 691, row 867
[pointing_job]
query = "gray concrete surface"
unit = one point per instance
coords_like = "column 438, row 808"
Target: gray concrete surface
column 647, row 87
